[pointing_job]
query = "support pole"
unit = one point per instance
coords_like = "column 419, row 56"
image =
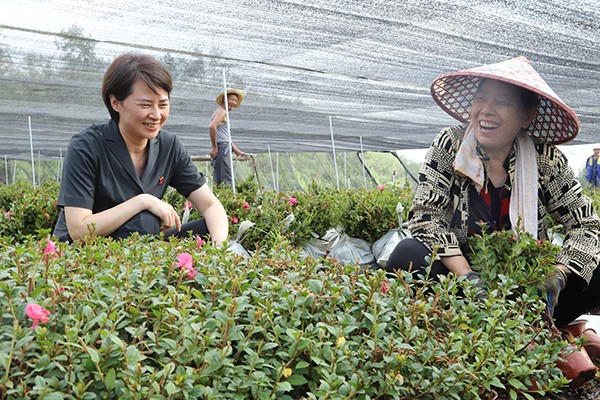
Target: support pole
column 337, row 177
column 228, row 131
column 6, row 169
column 31, row 148
column 272, row 169
column 346, row 171
column 364, row 169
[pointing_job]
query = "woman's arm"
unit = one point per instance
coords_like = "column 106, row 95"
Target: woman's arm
column 213, row 212
column 82, row 222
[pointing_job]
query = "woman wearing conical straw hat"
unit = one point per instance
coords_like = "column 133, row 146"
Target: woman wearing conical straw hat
column 487, row 170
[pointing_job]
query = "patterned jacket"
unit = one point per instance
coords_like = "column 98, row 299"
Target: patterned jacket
column 439, row 216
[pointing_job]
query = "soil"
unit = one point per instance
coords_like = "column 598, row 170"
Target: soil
column 588, row 391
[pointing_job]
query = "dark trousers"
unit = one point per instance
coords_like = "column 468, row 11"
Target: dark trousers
column 192, row 228
column 222, row 165
column 575, row 300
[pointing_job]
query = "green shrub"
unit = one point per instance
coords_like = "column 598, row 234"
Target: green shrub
column 24, row 210
column 127, row 322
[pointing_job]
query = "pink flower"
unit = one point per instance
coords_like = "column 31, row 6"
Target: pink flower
column 37, row 314
column 385, row 286
column 199, row 242
column 185, row 263
column 8, row 213
column 50, row 249
column 293, row 201
column 380, row 187
column 234, row 220
column 185, row 260
column 324, row 205
column 187, row 206
column 246, row 205
column 191, row 272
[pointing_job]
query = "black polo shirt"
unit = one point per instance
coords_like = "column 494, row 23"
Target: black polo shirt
column 99, row 174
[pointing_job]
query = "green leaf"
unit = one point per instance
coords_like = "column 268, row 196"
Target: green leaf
column 284, row 386
column 93, row 355
column 109, row 379
column 133, row 355
column 170, row 388
column 297, row 380
column 52, row 396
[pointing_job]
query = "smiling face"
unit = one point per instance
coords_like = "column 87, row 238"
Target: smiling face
column 232, row 101
column 143, row 113
column 498, row 115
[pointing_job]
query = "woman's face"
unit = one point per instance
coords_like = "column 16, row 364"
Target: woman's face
column 497, row 116
column 143, row 113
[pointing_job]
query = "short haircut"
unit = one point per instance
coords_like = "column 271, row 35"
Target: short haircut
column 128, row 68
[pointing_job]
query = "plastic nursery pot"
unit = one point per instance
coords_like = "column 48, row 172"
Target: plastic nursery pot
column 577, row 366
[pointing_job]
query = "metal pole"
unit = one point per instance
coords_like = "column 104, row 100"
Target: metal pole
column 277, row 169
column 31, row 147
column 228, row 131
column 345, row 171
column 271, row 163
column 337, row 178
column 6, row 168
column 362, row 153
column 59, row 166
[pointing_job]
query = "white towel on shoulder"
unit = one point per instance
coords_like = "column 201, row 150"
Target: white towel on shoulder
column 524, row 197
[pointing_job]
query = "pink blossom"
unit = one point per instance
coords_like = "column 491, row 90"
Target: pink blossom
column 37, row 314
column 187, row 206
column 385, row 286
column 8, row 213
column 199, row 242
column 324, row 205
column 185, row 260
column 293, row 201
column 234, row 220
column 185, row 263
column 380, row 187
column 191, row 272
column 50, row 249
column 246, row 205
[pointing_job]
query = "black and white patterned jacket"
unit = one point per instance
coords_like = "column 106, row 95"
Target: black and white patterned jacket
column 439, row 215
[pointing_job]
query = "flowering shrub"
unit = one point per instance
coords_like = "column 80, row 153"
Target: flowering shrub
column 122, row 322
column 25, row 210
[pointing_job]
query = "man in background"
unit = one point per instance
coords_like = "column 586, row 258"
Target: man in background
column 219, row 136
column 592, row 169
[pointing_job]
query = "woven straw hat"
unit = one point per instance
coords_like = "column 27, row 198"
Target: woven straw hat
column 555, row 121
column 240, row 94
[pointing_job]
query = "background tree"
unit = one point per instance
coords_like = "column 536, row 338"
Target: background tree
column 78, row 52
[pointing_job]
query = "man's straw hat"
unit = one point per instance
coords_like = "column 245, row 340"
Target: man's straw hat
column 240, row 94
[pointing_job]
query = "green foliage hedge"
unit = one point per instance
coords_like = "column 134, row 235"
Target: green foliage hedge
column 365, row 214
column 126, row 322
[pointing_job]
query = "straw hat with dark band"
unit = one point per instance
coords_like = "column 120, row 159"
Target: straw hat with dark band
column 555, row 121
column 240, row 94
